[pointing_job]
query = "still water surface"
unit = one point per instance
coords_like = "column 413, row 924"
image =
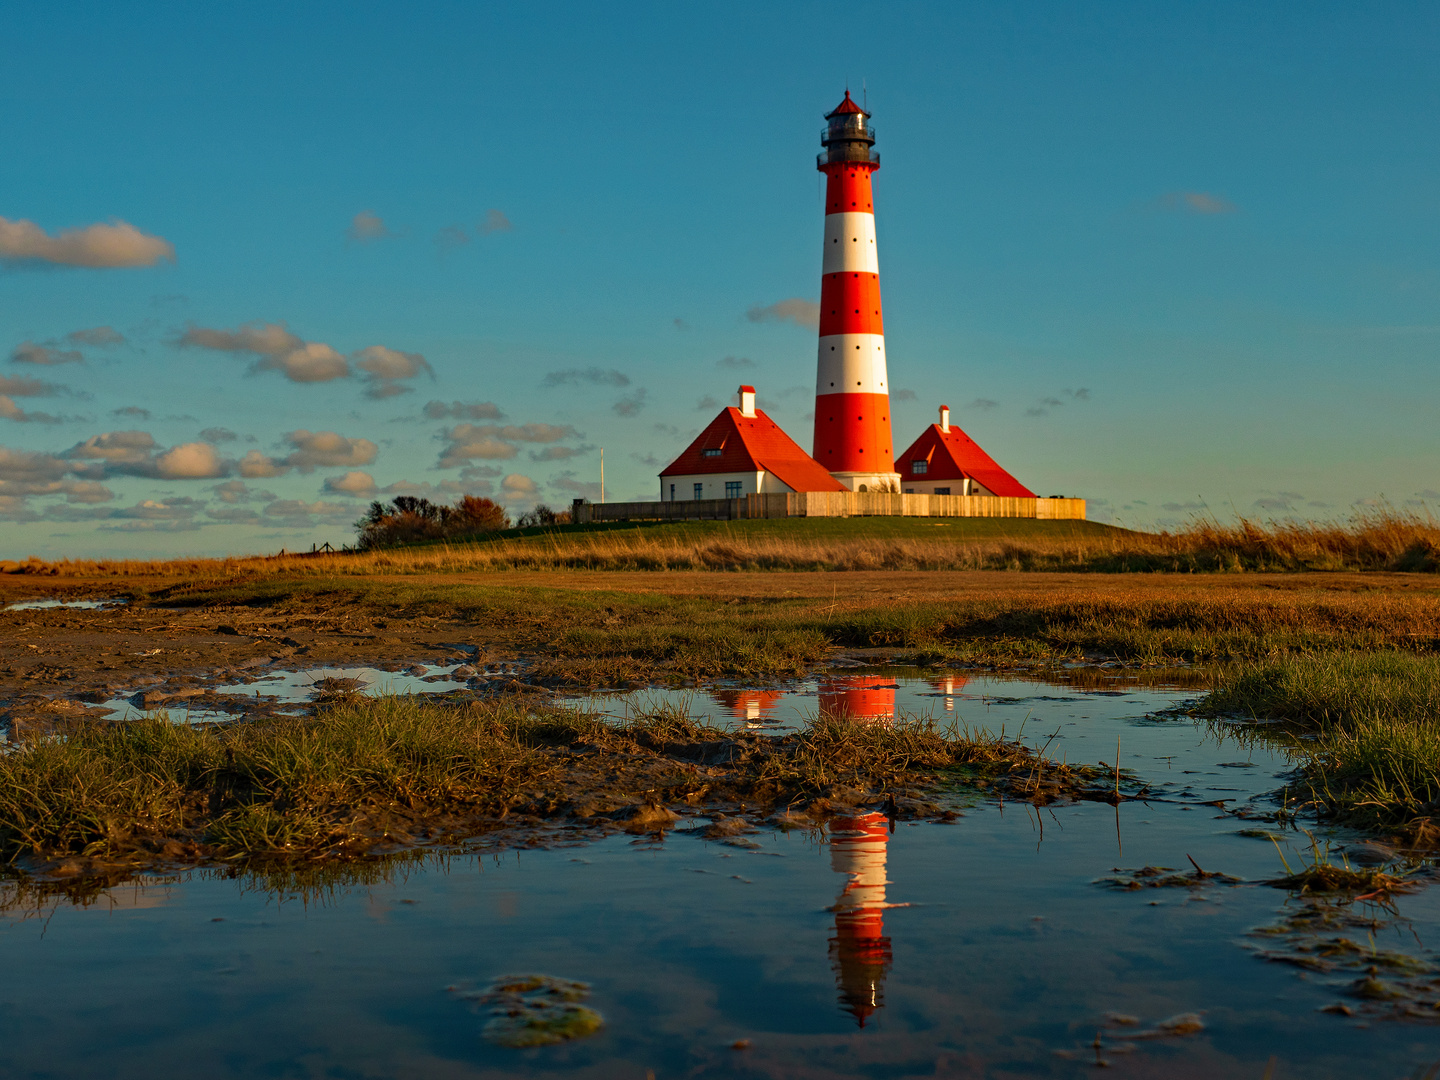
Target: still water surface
column 982, row 948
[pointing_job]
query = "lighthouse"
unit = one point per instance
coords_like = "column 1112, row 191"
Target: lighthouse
column 744, row 453
column 852, row 395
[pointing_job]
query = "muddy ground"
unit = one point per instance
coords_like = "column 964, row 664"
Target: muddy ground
column 157, row 649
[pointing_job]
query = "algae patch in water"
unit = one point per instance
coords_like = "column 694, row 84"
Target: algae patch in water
column 536, row 1010
column 1165, row 877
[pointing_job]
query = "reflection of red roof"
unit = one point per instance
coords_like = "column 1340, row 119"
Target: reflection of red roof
column 846, row 106
column 752, row 443
column 953, row 455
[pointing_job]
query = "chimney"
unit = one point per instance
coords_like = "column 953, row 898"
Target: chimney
column 747, row 401
column 945, row 419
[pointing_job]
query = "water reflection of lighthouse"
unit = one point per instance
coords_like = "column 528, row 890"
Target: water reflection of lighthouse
column 754, row 707
column 860, row 951
column 948, row 686
column 860, row 697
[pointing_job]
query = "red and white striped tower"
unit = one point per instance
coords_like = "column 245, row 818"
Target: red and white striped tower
column 852, row 398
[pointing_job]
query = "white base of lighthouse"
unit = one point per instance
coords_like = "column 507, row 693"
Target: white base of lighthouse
column 862, row 481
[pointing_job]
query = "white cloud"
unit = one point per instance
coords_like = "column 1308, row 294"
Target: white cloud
column 360, row 484
column 326, row 449
column 469, row 441
column 257, row 466
column 542, row 433
column 266, row 339
column 99, row 336
column 795, row 310
column 24, row 386
column 592, row 375
column 312, row 362
column 191, row 461
column 518, row 487
column 234, row 515
column 28, row 467
column 1194, row 202
column 385, row 365
column 367, row 226
column 27, row 352
column 237, row 491
column 114, row 448
column 496, row 442
column 111, row 246
column 573, row 488
column 463, row 410
column 297, row 512
column 10, row 411
column 147, row 515
column 559, row 453
column 494, row 222
column 630, row 404
column 277, row 349
column 24, row 474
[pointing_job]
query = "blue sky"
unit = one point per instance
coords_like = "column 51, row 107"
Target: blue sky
column 1157, row 255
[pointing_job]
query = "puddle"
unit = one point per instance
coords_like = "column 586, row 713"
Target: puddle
column 283, row 691
column 990, row 946
column 45, row 605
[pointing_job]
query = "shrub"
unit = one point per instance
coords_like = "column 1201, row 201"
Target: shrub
column 409, row 518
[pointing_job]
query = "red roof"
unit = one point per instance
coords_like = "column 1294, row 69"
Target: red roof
column 953, row 455
column 747, row 443
column 846, row 106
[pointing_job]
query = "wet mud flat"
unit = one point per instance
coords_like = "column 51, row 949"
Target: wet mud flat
column 1000, row 939
column 80, row 655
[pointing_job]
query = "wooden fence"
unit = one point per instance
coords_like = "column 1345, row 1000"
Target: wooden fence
column 831, row 504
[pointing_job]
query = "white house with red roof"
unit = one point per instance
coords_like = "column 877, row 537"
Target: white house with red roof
column 743, row 452
column 946, row 461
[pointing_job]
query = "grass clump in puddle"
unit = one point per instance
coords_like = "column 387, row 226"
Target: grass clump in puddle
column 1365, row 725
column 373, row 775
column 281, row 785
column 535, row 1010
column 1322, row 875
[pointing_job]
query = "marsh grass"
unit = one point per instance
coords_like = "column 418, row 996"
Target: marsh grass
column 606, row 637
column 283, row 785
column 392, row 773
column 1365, row 725
column 1380, row 539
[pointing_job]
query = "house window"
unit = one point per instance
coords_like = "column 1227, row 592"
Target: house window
column 942, row 491
column 909, row 491
column 919, row 468
column 699, row 491
column 732, row 489
column 709, row 453
column 672, row 492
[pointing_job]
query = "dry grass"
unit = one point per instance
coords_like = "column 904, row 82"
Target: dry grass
column 1384, row 539
column 389, row 773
